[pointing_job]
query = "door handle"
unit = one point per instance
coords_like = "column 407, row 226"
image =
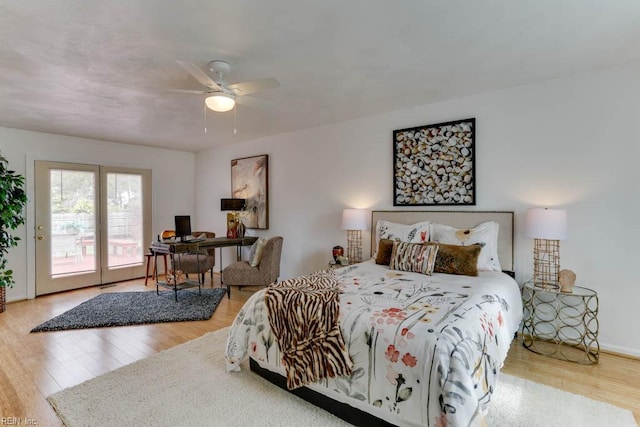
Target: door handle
column 40, row 237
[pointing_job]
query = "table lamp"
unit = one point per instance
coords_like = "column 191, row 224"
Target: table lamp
column 547, row 227
column 354, row 221
column 235, row 227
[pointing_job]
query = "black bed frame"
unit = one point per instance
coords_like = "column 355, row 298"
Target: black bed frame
column 348, row 413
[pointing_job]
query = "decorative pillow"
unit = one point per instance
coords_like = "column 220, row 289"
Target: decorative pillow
column 414, row 257
column 385, row 247
column 256, row 252
column 413, row 233
column 485, row 235
column 454, row 259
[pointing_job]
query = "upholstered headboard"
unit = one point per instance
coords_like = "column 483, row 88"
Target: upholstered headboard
column 458, row 219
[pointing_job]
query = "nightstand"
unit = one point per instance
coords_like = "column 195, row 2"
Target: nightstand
column 561, row 325
column 333, row 265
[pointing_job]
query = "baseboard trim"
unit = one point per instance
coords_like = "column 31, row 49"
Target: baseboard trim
column 631, row 356
column 608, row 349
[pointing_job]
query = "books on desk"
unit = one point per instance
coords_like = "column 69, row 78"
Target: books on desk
column 167, row 246
column 197, row 240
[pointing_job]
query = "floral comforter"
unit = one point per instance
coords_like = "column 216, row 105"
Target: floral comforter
column 426, row 349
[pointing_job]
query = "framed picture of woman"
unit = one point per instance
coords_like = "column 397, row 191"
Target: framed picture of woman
column 250, row 181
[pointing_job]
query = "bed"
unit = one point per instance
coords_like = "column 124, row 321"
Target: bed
column 426, row 349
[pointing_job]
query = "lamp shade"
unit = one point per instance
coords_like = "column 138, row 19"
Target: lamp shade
column 550, row 224
column 355, row 219
column 220, row 102
column 232, row 204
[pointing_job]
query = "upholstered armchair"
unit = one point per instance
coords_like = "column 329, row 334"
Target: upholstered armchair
column 200, row 263
column 264, row 273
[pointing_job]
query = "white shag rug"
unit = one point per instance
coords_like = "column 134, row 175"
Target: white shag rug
column 187, row 385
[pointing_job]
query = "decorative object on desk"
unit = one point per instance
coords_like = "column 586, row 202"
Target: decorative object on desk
column 337, row 251
column 235, row 207
column 232, row 226
column 167, row 234
column 136, row 308
column 250, row 181
column 547, row 227
column 567, row 279
column 241, row 228
column 354, row 221
column 435, row 164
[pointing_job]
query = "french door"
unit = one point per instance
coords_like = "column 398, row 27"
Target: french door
column 92, row 223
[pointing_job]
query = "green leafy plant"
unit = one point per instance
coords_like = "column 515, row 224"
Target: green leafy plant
column 13, row 200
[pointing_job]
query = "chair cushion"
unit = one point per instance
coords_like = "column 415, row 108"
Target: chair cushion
column 192, row 263
column 242, row 274
column 256, row 252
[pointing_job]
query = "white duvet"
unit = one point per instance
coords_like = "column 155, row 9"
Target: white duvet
column 426, row 349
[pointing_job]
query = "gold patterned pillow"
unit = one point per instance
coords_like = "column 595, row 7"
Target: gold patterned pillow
column 455, row 259
column 414, row 257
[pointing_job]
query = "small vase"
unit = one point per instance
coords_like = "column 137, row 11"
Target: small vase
column 338, row 251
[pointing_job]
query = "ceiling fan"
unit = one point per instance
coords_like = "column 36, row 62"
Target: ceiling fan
column 220, row 96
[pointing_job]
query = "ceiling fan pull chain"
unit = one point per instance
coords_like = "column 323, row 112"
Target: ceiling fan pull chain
column 235, row 131
column 204, row 110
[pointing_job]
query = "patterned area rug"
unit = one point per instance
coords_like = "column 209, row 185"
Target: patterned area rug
column 137, row 308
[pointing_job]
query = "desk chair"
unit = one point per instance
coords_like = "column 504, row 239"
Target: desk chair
column 200, row 263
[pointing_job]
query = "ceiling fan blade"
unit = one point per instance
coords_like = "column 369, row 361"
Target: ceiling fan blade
column 246, row 88
column 250, row 101
column 198, row 92
column 199, row 75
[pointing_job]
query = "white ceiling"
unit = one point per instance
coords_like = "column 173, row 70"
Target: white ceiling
column 101, row 69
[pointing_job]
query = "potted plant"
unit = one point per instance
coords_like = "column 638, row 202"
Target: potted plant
column 12, row 202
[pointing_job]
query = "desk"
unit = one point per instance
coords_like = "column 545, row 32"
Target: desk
column 216, row 242
column 172, row 248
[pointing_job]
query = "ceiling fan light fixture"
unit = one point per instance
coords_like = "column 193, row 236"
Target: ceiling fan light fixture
column 220, row 102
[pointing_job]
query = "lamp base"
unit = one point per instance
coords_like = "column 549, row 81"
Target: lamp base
column 546, row 263
column 354, row 246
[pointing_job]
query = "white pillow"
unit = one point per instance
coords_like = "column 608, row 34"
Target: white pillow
column 485, row 235
column 256, row 252
column 410, row 233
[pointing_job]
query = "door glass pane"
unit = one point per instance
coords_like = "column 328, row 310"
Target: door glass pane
column 124, row 219
column 72, row 222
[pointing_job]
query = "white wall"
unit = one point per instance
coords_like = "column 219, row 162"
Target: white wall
column 173, row 184
column 570, row 143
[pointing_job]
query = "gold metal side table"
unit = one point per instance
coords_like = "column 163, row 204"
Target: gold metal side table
column 561, row 325
column 334, row 265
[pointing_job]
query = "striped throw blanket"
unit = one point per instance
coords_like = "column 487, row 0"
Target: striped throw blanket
column 303, row 314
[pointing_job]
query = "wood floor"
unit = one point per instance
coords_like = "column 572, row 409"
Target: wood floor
column 33, row 366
